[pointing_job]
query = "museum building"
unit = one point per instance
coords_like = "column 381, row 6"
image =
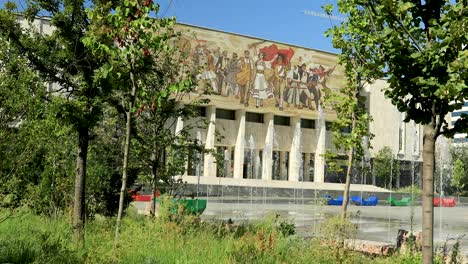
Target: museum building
column 266, row 115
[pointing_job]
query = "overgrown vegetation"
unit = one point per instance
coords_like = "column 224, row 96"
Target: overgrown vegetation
column 29, row 238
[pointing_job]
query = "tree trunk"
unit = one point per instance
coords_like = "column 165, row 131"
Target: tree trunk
column 428, row 192
column 80, row 180
column 126, row 154
column 154, row 177
column 344, row 208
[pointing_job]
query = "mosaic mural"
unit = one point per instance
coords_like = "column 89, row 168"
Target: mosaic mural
column 258, row 73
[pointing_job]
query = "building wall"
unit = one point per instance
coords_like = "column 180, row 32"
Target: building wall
column 388, row 123
column 459, row 137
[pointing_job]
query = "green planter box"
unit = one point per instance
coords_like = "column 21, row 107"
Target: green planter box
column 193, row 206
column 402, row 202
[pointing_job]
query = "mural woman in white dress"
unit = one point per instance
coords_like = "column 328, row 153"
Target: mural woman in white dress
column 260, row 90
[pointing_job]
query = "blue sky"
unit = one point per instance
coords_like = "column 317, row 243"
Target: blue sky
column 282, row 21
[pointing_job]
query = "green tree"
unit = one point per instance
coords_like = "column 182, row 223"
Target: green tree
column 352, row 123
column 420, row 47
column 34, row 163
column 61, row 58
column 459, row 179
column 143, row 60
column 386, row 167
column 460, row 152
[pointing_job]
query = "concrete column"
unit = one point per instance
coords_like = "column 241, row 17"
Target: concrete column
column 319, row 160
column 306, row 167
column 295, row 154
column 240, row 142
column 209, row 165
column 227, row 161
column 179, row 125
column 267, row 161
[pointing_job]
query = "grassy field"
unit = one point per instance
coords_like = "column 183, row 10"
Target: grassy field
column 28, row 238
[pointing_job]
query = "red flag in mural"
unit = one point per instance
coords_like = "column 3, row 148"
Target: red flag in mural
column 272, row 52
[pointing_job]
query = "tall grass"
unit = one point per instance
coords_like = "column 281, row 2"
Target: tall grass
column 170, row 238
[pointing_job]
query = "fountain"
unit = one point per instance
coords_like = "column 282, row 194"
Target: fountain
column 319, row 160
column 198, row 162
column 443, row 159
column 251, row 158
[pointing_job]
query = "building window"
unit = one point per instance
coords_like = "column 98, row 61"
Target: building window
column 198, row 110
column 195, row 162
column 280, row 165
column 224, row 161
column 252, row 164
column 225, row 114
column 328, row 125
column 345, row 130
column 308, row 123
column 307, row 167
column 282, row 120
column 460, row 140
column 254, row 117
column 459, row 113
column 276, row 165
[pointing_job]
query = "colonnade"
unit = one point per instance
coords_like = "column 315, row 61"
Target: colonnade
column 295, row 157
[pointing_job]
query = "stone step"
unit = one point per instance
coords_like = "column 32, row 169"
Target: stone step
column 370, row 247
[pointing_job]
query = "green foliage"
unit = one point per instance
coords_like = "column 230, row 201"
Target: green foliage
column 412, row 189
column 459, row 178
column 335, row 230
column 459, row 153
column 385, row 165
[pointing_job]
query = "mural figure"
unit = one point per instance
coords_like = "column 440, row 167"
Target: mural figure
column 221, row 65
column 298, row 93
column 244, row 77
column 204, row 61
column 318, row 79
column 260, row 90
column 279, row 80
column 231, row 76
